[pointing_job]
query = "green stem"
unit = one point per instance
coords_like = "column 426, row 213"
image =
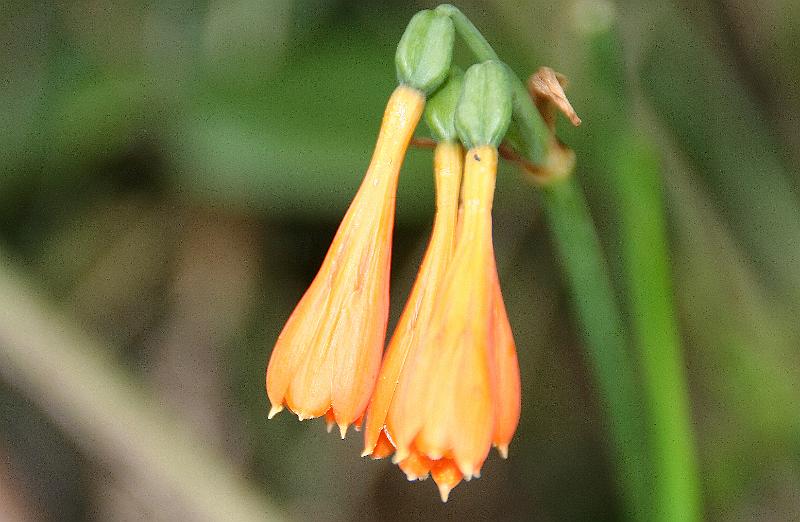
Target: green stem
column 630, row 178
column 537, row 137
column 636, row 185
column 474, row 39
column 599, row 318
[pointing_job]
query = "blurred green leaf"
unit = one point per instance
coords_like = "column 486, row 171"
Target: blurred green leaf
column 742, row 368
column 300, row 144
column 701, row 99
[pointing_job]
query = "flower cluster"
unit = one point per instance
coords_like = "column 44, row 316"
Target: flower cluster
column 449, row 384
column 447, row 387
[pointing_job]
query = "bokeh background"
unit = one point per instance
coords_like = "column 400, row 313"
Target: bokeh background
column 171, row 174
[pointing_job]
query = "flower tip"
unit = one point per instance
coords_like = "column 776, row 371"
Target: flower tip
column 411, row 476
column 444, row 491
column 343, row 430
column 503, row 450
column 400, row 455
column 274, row 410
column 467, row 470
column 374, row 455
column 329, row 425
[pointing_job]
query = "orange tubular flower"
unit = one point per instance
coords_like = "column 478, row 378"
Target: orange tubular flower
column 458, row 392
column 507, row 391
column 327, row 357
column 410, row 331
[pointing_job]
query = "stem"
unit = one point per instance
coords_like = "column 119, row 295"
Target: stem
column 631, row 182
column 537, row 138
column 600, row 320
column 474, row 39
column 636, row 185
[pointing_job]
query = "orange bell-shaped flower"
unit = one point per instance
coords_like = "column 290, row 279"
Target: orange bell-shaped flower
column 449, row 404
column 444, row 401
column 415, row 319
column 507, row 381
column 327, row 357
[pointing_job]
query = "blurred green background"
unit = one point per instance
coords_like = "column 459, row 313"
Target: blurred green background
column 171, row 174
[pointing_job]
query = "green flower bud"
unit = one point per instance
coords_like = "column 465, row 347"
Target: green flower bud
column 483, row 113
column 425, row 51
column 440, row 111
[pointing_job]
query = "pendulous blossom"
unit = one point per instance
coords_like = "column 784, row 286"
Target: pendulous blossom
column 507, row 389
column 327, row 357
column 412, row 326
column 458, row 392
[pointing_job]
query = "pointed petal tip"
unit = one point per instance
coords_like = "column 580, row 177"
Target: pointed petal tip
column 467, row 470
column 329, row 426
column 373, row 451
column 343, row 430
column 444, row 492
column 411, row 476
column 503, row 450
column 372, row 455
column 274, row 410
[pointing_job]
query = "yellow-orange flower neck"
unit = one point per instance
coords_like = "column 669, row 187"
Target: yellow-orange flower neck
column 328, row 354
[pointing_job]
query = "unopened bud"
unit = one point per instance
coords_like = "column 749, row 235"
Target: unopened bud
column 440, row 112
column 425, row 51
column 483, row 113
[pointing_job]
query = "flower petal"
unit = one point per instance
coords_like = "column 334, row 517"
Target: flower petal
column 328, row 354
column 446, row 475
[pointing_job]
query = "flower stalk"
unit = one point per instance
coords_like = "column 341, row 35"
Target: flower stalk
column 632, row 178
